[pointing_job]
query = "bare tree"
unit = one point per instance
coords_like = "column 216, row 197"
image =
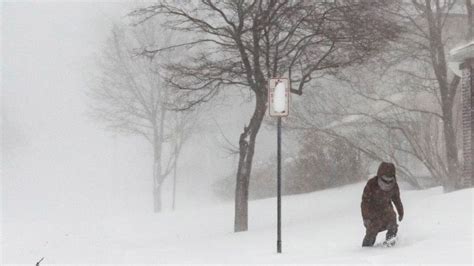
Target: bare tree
column 183, row 126
column 470, row 19
column 410, row 93
column 130, row 97
column 241, row 44
column 426, row 22
column 383, row 120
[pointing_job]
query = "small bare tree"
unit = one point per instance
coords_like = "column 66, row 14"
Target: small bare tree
column 130, row 97
column 182, row 128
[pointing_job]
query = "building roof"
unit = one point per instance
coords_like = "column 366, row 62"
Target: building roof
column 462, row 52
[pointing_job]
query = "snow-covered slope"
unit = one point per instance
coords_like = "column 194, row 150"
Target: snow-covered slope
column 320, row 227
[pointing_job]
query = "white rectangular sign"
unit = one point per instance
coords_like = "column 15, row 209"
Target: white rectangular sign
column 278, row 97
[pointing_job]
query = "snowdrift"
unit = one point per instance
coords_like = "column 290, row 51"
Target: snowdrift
column 321, row 227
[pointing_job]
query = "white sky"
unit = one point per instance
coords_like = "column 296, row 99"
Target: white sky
column 53, row 155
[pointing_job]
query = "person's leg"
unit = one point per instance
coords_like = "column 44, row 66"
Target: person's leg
column 392, row 229
column 370, row 236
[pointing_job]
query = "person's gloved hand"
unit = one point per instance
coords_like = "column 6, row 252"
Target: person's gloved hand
column 366, row 223
column 400, row 218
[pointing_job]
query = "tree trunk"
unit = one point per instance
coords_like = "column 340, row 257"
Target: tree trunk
column 246, row 149
column 447, row 93
column 175, row 168
column 158, row 178
column 452, row 177
column 157, row 199
column 156, row 181
column 470, row 20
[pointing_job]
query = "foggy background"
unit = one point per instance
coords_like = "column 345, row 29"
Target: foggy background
column 58, row 160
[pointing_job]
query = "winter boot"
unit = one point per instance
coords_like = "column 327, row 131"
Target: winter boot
column 391, row 236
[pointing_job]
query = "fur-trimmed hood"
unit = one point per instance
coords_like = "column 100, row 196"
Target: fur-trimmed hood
column 386, row 176
column 386, row 169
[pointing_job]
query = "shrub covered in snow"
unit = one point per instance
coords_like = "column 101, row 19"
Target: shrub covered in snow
column 322, row 162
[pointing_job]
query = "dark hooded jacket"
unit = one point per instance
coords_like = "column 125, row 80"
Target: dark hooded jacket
column 376, row 203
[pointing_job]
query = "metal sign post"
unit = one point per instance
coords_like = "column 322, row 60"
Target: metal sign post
column 279, row 101
column 279, row 185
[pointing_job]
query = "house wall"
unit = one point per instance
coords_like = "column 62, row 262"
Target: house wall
column 467, row 94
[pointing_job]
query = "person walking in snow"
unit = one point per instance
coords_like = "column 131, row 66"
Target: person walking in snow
column 377, row 210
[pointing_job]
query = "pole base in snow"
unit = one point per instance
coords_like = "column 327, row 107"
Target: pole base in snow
column 279, row 246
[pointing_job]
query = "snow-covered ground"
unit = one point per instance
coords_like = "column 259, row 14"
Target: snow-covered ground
column 321, row 227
